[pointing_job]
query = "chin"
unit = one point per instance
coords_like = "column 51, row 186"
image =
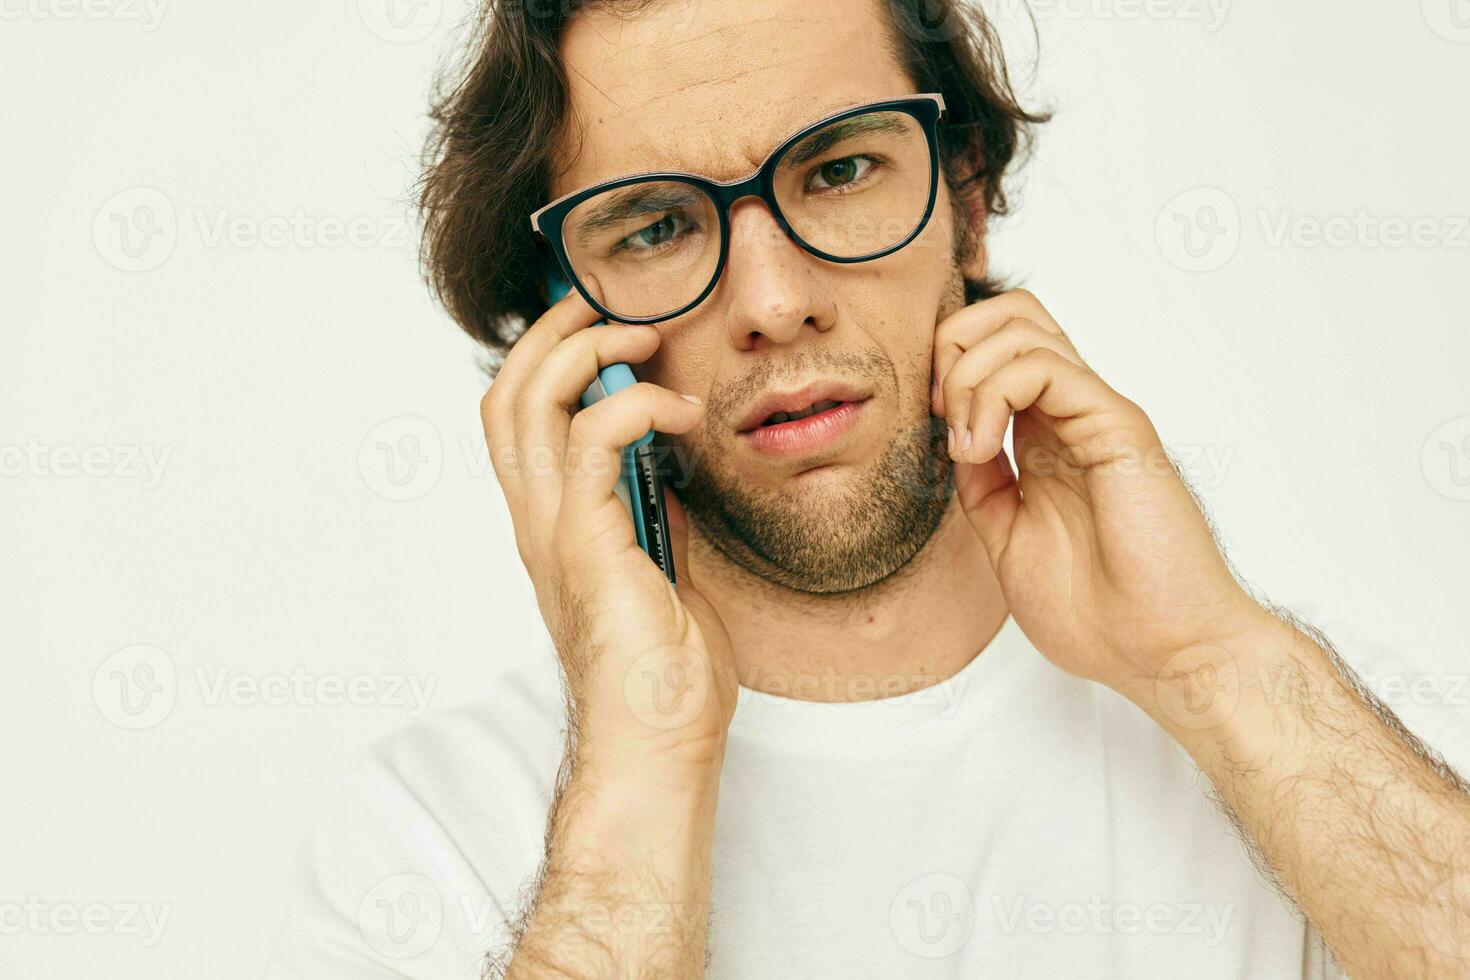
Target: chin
column 829, row 528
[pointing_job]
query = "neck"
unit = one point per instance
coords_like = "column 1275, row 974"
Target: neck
column 916, row 628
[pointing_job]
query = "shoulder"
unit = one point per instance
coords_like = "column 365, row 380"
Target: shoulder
column 417, row 862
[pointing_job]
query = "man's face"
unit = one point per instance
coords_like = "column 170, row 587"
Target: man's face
column 711, row 87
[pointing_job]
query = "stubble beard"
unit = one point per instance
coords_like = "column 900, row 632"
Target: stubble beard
column 827, row 540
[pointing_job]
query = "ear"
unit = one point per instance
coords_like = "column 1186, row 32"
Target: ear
column 974, row 257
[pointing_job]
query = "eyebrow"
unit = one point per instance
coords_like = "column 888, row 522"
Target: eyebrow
column 823, row 140
column 617, row 206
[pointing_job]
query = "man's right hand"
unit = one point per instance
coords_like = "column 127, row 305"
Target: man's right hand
column 648, row 664
column 650, row 677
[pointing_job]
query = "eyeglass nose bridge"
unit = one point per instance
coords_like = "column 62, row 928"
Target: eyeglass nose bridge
column 760, row 185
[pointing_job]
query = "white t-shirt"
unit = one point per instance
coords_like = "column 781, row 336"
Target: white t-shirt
column 1011, row 822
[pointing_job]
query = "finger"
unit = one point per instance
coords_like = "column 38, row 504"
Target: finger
column 991, row 498
column 599, row 432
column 1055, row 385
column 966, row 327
column 1013, row 340
column 569, row 314
column 546, row 400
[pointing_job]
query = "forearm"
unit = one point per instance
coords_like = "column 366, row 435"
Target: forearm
column 625, row 888
column 1364, row 828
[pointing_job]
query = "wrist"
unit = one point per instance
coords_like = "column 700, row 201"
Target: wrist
column 619, row 809
column 683, row 766
column 662, row 708
column 1217, row 692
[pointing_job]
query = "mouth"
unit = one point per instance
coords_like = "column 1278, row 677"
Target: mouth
column 803, row 422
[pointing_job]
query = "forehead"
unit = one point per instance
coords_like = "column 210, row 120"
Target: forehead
column 712, row 86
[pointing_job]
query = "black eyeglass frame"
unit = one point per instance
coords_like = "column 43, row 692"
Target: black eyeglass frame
column 927, row 108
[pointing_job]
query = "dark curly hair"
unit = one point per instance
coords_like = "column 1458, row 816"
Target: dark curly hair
column 497, row 115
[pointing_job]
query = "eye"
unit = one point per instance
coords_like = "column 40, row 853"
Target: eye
column 659, row 233
column 841, row 172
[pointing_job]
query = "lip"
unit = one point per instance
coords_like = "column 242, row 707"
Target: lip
column 795, row 401
column 804, row 437
column 801, row 437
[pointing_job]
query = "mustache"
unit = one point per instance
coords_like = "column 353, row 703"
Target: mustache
column 724, row 401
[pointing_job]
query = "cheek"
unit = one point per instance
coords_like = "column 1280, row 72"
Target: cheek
column 684, row 361
column 907, row 299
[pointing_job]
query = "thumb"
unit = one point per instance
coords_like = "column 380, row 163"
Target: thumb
column 991, row 498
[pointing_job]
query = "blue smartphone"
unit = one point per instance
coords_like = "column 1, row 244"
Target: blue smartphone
column 640, row 485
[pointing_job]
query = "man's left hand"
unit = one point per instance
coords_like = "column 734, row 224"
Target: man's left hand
column 1104, row 558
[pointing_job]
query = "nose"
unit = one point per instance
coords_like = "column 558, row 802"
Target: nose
column 772, row 294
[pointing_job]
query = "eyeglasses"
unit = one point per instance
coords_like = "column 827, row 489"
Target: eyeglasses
column 852, row 187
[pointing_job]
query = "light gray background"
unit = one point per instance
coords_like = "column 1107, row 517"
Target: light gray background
column 294, row 385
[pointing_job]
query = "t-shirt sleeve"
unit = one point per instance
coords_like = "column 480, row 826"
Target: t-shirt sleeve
column 403, row 874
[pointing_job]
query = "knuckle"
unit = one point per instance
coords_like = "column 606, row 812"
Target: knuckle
column 1021, row 335
column 945, row 331
column 1133, row 410
column 492, row 408
column 1044, row 355
column 584, row 425
column 954, row 386
column 524, row 550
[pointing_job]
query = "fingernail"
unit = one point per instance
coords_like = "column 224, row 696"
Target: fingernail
column 690, row 398
column 966, row 444
column 951, row 437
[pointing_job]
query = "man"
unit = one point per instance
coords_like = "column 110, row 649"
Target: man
column 881, row 727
